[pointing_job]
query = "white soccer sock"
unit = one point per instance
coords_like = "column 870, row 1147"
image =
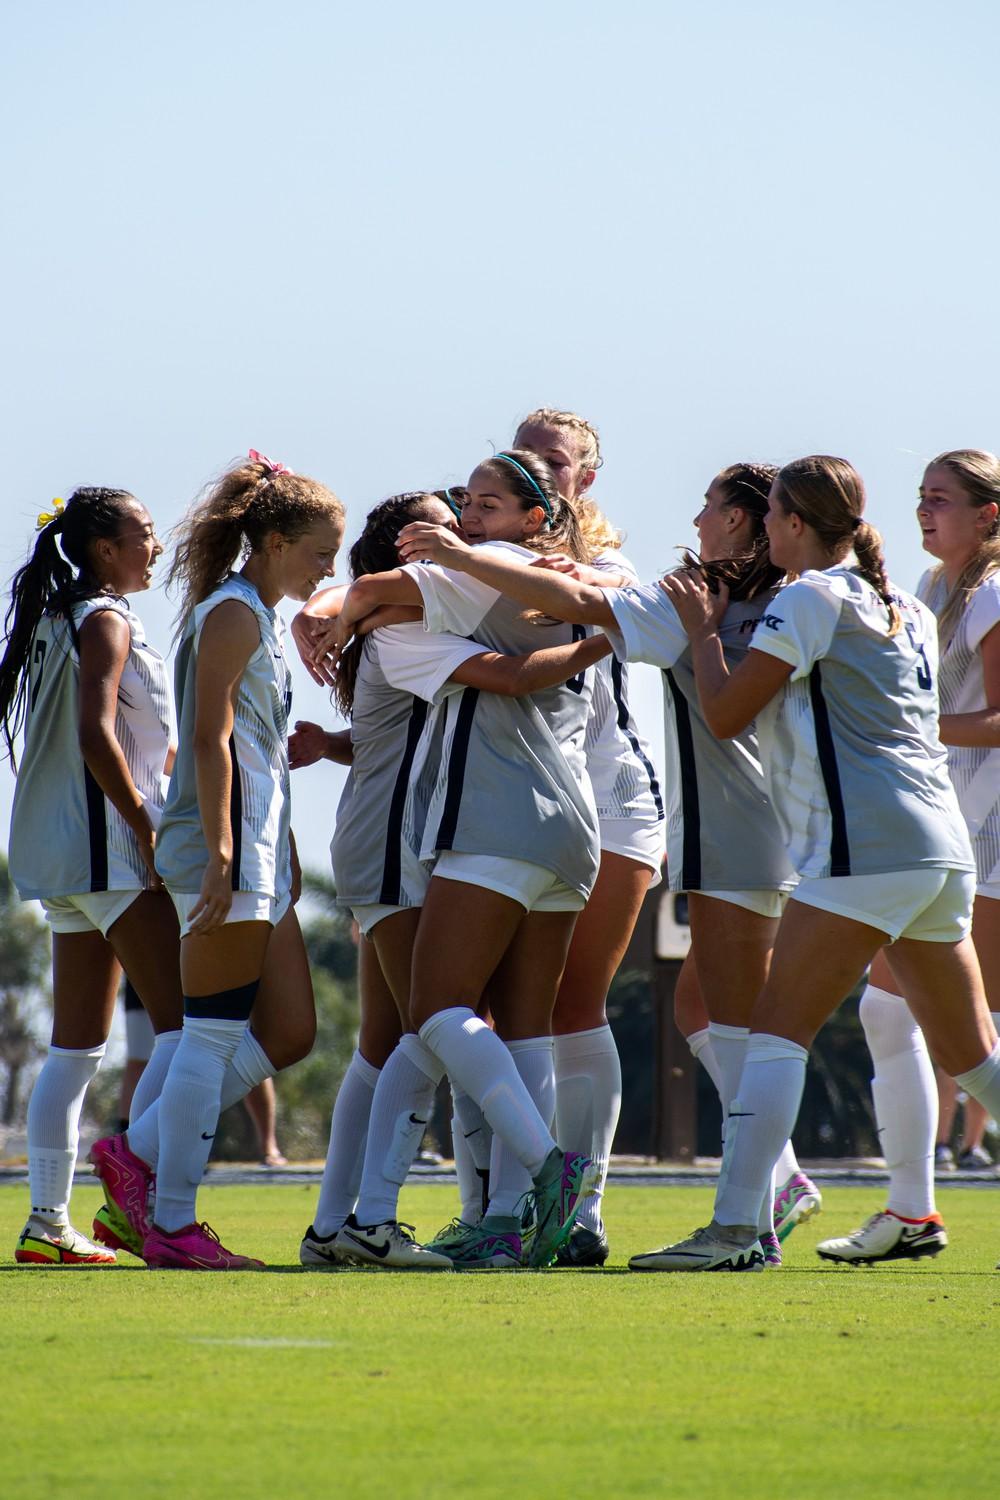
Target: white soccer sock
column 729, row 1044
column 787, row 1165
column 151, row 1082
column 509, row 1180
column 483, row 1068
column 249, row 1066
column 759, row 1123
column 983, row 1082
column 54, row 1127
column 189, row 1113
column 905, row 1095
column 588, row 1103
column 345, row 1156
column 702, row 1050
column 401, row 1106
column 472, row 1139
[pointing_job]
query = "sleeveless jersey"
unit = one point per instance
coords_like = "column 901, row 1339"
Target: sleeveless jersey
column 619, row 763
column 974, row 769
column 513, row 779
column 396, row 743
column 722, row 832
column 260, row 808
column 858, row 774
column 66, row 837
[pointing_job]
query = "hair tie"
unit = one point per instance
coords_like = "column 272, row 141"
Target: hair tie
column 857, row 521
column 46, row 517
column 452, row 505
column 546, row 504
column 272, row 468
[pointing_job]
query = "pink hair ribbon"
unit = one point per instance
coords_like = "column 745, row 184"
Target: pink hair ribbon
column 273, row 468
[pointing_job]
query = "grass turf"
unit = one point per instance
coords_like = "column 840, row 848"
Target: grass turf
column 815, row 1380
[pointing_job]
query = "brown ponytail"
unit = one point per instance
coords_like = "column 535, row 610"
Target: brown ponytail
column 829, row 496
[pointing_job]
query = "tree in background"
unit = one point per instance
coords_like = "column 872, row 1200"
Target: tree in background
column 24, row 968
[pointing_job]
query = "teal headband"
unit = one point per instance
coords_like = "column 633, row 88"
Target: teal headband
column 546, row 506
column 452, row 505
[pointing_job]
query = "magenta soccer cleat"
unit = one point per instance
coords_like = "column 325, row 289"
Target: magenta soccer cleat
column 128, row 1182
column 196, row 1247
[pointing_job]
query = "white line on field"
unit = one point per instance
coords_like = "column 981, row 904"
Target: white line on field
column 248, row 1343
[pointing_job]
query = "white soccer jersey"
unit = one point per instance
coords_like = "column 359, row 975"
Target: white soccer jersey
column 857, row 772
column 974, row 770
column 619, row 763
column 65, row 836
column 513, row 778
column 396, row 743
column 260, row 806
column 722, row 832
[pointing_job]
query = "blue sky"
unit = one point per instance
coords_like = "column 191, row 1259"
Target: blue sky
column 367, row 240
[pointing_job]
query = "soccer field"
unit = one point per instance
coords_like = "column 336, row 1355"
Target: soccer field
column 814, row 1380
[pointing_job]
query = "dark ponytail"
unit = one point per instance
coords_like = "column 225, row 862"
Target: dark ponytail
column 747, row 485
column 47, row 584
column 375, row 552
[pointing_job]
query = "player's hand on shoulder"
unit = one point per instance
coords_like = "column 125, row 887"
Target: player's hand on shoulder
column 422, row 542
column 698, row 609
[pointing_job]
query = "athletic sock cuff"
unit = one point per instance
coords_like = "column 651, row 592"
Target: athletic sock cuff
column 251, row 1062
column 982, row 1074
column 466, row 1017
column 763, row 1047
column 735, row 1033
column 420, row 1054
column 364, row 1070
column 531, row 1044
column 81, row 1052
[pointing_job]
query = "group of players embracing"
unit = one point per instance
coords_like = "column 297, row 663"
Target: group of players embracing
column 830, row 801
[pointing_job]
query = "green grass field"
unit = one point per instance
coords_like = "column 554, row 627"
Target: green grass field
column 809, row 1381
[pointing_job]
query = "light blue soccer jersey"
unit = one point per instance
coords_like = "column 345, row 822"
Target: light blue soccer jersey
column 722, row 832
column 857, row 771
column 974, row 769
column 619, row 761
column 396, row 741
column 260, row 804
column 513, row 779
column 66, row 837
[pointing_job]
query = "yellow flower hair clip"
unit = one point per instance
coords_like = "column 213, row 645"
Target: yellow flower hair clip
column 46, row 517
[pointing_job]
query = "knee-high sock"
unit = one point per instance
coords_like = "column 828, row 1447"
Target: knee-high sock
column 983, row 1082
column 154, row 1074
column 905, row 1095
column 509, row 1180
column 345, row 1156
column 249, row 1066
column 702, row 1050
column 472, row 1139
column 189, row 1114
column 786, row 1166
column 588, row 1103
column 401, row 1106
column 759, row 1123
column 729, row 1044
column 483, row 1068
column 54, row 1127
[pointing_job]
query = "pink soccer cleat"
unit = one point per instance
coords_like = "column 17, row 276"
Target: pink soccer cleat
column 128, row 1182
column 196, row 1247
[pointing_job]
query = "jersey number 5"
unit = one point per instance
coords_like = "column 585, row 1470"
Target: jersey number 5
column 924, row 678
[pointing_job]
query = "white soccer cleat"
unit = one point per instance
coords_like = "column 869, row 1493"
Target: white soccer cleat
column 709, row 1249
column 391, row 1246
column 886, row 1237
column 318, row 1251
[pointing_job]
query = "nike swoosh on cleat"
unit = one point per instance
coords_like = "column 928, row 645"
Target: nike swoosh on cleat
column 372, row 1249
column 208, row 1137
column 414, row 1120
